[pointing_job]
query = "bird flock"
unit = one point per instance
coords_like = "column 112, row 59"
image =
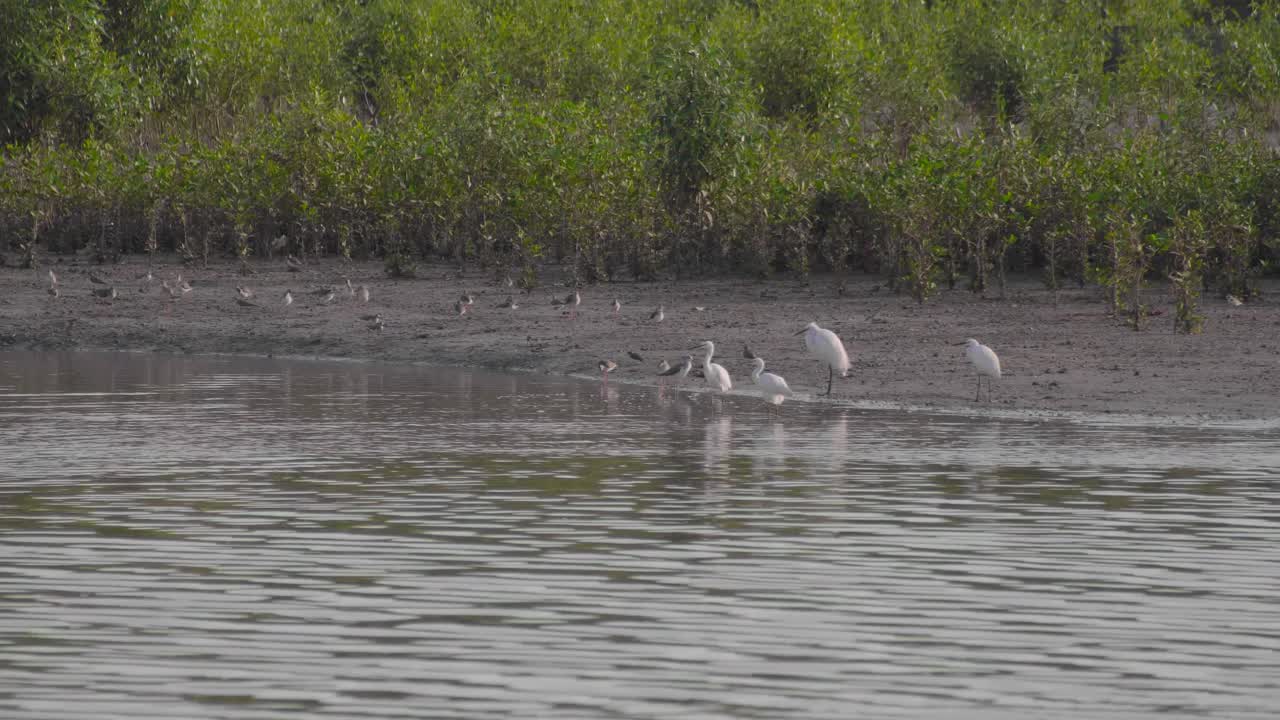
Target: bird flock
column 822, row 344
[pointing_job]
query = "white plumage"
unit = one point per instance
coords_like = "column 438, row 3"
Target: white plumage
column 717, row 376
column 827, row 347
column 985, row 361
column 773, row 388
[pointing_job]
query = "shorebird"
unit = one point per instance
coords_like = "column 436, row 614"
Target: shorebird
column 508, row 304
column 573, row 300
column 53, row 291
column 466, row 301
column 245, row 302
column 681, row 370
column 293, row 263
column 376, row 323
column 635, row 356
column 746, row 352
column 288, row 298
column 244, row 292
column 107, row 293
column 147, row 276
column 717, row 376
column 460, row 308
column 351, row 291
column 827, row 347
column 53, row 279
column 658, row 315
column 606, row 367
column 96, row 279
column 985, row 361
column 363, row 293
column 183, row 285
column 663, row 366
column 617, row 307
column 699, row 308
column 328, row 297
column 508, row 283
column 1232, row 300
column 773, row 388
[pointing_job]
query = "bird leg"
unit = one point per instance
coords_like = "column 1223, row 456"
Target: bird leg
column 831, row 374
column 978, row 397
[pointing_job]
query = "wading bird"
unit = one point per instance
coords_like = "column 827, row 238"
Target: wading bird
column 53, row 279
column 680, row 371
column 606, row 367
column 288, row 298
column 573, row 300
column 466, row 301
column 985, row 361
column 508, row 304
column 617, row 307
column 363, row 293
column 96, row 279
column 635, row 356
column 773, row 388
column 658, row 315
column 717, row 377
column 828, row 348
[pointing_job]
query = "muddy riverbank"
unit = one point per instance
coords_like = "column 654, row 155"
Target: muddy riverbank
column 1060, row 351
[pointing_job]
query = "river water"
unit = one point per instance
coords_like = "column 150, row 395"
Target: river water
column 186, row 537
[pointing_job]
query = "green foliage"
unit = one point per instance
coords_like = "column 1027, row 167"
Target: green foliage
column 939, row 144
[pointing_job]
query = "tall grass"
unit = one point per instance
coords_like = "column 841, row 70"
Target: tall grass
column 940, row 144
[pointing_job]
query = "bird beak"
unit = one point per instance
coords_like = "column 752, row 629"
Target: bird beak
column 695, row 347
column 961, row 343
column 802, row 331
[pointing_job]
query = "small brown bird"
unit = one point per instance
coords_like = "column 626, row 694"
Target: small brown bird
column 606, row 367
column 635, row 356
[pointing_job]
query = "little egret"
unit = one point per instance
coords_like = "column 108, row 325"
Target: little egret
column 773, row 388
column 717, row 377
column 986, row 362
column 827, row 347
column 244, row 292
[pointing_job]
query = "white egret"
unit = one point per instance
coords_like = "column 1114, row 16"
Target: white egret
column 986, row 362
column 773, row 388
column 717, row 377
column 827, row 347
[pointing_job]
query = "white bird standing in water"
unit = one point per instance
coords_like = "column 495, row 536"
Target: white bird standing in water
column 717, row 376
column 773, row 388
column 827, row 347
column 986, row 362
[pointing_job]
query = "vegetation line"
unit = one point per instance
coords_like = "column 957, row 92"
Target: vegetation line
column 931, row 141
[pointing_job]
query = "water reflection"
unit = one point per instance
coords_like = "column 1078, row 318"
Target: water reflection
column 220, row 537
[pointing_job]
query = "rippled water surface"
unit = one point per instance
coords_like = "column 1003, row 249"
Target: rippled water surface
column 252, row 538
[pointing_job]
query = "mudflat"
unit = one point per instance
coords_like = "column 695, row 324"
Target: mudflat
column 1060, row 350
